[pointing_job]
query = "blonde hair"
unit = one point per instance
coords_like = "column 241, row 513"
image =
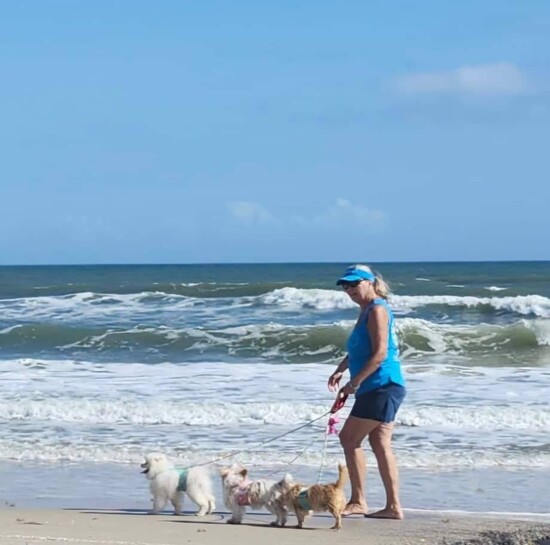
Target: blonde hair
column 381, row 287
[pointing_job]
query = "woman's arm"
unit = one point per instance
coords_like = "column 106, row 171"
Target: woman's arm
column 334, row 379
column 377, row 327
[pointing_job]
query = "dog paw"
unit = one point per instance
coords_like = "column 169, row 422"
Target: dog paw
column 233, row 521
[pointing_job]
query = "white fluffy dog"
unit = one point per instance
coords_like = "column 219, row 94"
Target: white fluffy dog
column 239, row 491
column 171, row 484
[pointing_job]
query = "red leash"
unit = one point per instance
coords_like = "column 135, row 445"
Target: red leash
column 339, row 402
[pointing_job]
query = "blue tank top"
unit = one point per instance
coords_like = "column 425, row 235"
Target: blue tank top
column 359, row 349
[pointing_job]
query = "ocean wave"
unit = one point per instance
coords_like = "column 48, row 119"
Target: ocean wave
column 495, row 288
column 318, row 299
column 477, row 418
column 267, row 342
column 526, row 305
column 251, row 455
column 421, row 337
column 203, row 415
column 272, row 342
column 199, row 289
column 184, row 413
column 92, row 305
column 209, row 290
column 443, row 381
column 102, row 307
column 113, row 412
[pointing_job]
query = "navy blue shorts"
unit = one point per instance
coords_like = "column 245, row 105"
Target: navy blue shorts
column 381, row 404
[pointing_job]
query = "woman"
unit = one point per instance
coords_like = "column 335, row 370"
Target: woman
column 379, row 388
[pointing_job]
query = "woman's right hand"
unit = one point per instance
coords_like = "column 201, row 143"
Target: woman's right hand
column 334, row 381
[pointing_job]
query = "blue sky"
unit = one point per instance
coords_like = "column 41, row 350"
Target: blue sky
column 240, row 131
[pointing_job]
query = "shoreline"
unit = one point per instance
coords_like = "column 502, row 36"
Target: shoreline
column 42, row 485
column 136, row 527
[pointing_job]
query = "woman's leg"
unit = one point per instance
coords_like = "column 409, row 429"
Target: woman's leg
column 351, row 437
column 380, row 441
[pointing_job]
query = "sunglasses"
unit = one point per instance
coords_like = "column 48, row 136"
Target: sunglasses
column 347, row 285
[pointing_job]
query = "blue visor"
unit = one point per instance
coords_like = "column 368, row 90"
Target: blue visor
column 354, row 274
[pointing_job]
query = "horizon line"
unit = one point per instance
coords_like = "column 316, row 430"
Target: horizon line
column 215, row 263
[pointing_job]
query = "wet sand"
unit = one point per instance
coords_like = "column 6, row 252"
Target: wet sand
column 136, row 527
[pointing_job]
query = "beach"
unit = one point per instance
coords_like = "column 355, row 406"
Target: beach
column 134, row 527
column 109, row 505
column 100, row 365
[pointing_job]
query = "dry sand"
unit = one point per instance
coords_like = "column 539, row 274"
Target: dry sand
column 111, row 527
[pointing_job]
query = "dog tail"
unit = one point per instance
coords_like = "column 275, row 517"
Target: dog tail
column 343, row 476
column 287, row 479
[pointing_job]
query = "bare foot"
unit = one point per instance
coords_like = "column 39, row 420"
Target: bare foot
column 354, row 509
column 388, row 513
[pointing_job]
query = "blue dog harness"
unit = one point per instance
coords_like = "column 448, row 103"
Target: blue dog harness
column 182, row 483
column 303, row 500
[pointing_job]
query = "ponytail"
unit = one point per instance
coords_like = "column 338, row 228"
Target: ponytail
column 381, row 287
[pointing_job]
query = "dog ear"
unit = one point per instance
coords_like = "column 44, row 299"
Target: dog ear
column 244, row 472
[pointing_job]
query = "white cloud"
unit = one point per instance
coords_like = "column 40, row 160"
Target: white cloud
column 250, row 212
column 340, row 215
column 344, row 213
column 485, row 79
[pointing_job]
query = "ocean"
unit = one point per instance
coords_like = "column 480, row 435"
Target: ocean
column 102, row 364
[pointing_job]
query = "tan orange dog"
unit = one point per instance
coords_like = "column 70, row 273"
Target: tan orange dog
column 317, row 498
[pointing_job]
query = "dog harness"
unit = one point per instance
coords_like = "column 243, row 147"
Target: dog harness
column 182, row 482
column 242, row 494
column 302, row 499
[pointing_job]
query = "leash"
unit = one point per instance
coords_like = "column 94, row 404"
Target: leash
column 339, row 402
column 288, row 464
column 232, row 454
column 323, row 455
column 330, row 429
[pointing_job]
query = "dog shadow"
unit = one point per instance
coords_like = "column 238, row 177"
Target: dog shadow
column 142, row 512
column 255, row 520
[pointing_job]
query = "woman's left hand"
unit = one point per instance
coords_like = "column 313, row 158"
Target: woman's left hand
column 334, row 380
